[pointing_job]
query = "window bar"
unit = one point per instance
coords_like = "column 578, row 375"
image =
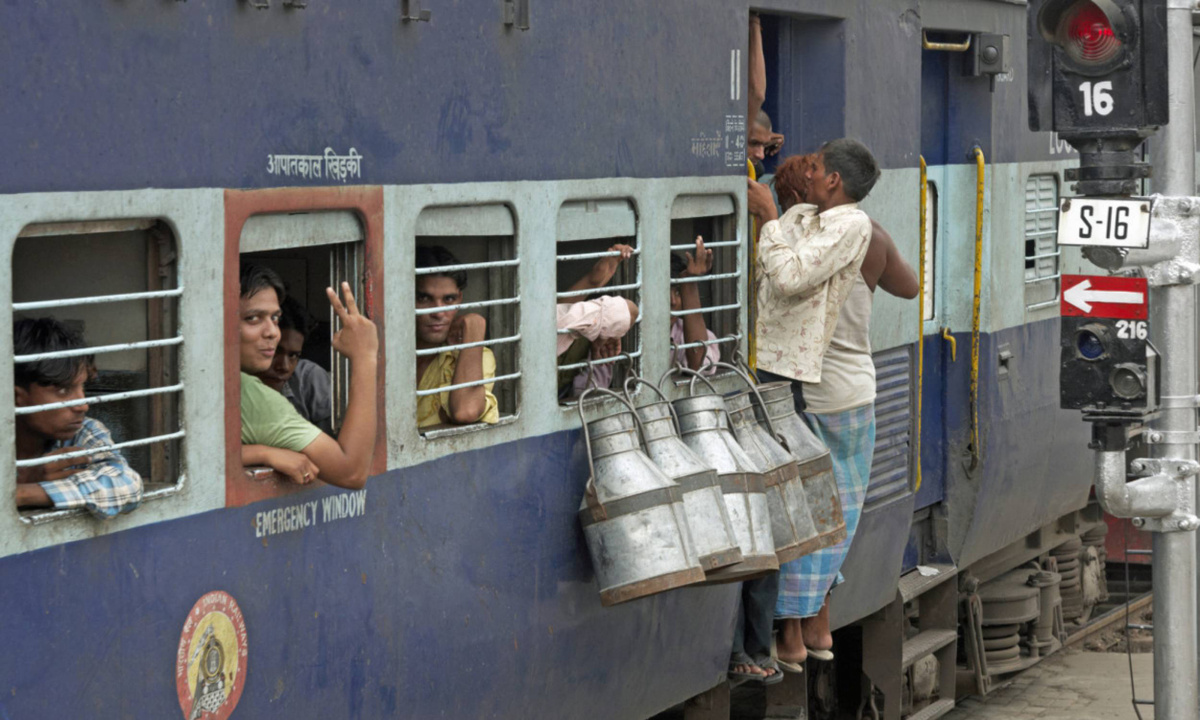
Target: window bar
column 460, row 386
column 1044, row 256
column 595, row 255
column 601, row 290
column 466, row 346
column 603, row 361
column 1041, row 233
column 1039, row 306
column 95, row 300
column 1034, row 281
column 99, row 350
column 469, row 306
column 708, row 245
column 1031, row 211
column 713, row 308
column 34, row 462
column 702, row 278
column 704, row 343
column 443, row 269
column 112, row 397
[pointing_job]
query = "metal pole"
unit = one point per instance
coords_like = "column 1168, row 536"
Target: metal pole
column 1173, row 308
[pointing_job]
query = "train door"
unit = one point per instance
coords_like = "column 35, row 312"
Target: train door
column 956, row 113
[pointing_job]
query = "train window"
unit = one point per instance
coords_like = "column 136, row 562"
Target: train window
column 592, row 237
column 930, row 240
column 712, row 217
column 1041, row 246
column 310, row 251
column 480, row 243
column 128, row 316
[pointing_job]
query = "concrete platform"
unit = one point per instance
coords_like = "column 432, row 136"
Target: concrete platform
column 1070, row 685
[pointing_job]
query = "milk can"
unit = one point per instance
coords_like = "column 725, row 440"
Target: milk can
column 704, row 427
column 792, row 525
column 703, row 501
column 632, row 514
column 816, row 465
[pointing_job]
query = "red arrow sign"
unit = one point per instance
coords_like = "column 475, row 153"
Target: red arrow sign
column 1105, row 297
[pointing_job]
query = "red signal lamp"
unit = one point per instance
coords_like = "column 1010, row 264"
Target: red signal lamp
column 1089, row 32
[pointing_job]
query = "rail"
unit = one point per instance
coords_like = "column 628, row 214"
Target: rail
column 980, row 177
column 922, row 218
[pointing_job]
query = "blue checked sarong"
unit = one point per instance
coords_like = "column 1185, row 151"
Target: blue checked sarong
column 850, row 437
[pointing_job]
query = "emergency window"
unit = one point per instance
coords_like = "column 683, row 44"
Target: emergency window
column 482, row 239
column 116, row 283
column 713, row 218
column 930, row 240
column 589, row 233
column 311, row 251
column 1041, row 244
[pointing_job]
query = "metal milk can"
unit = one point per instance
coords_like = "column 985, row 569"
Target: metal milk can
column 816, row 465
column 792, row 524
column 632, row 514
column 704, row 427
column 703, row 501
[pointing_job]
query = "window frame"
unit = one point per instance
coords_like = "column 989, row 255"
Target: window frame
column 191, row 215
column 1037, row 279
column 240, row 205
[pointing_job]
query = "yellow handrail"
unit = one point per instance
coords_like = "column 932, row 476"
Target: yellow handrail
column 752, row 291
column 928, row 44
column 920, row 315
column 979, row 187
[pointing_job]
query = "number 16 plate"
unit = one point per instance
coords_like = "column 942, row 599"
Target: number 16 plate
column 1111, row 223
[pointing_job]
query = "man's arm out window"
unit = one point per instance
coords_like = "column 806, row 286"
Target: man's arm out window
column 107, row 487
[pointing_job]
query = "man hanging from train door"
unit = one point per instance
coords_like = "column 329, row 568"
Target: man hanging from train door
column 273, row 432
column 464, row 405
column 819, row 265
column 100, row 481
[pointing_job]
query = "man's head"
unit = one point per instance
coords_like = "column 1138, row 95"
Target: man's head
column 757, row 137
column 294, row 323
column 678, row 267
column 262, row 294
column 844, row 171
column 437, row 290
column 49, row 381
column 791, row 180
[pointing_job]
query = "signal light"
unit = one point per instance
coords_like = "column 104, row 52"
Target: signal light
column 1086, row 33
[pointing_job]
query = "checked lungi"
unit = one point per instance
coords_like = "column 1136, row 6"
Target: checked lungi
column 850, row 437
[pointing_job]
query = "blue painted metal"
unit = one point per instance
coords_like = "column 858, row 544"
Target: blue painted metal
column 465, row 591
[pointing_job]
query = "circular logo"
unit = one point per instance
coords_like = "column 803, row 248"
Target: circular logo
column 210, row 667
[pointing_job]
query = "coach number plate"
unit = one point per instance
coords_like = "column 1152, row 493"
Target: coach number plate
column 1111, row 223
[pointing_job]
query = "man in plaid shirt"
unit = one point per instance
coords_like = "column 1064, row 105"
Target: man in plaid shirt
column 100, row 480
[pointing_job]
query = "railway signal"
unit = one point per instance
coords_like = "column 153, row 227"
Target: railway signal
column 1098, row 77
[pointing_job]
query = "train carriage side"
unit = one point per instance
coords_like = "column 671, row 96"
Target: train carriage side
column 457, row 582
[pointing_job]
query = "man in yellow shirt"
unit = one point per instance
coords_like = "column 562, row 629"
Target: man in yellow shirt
column 467, row 400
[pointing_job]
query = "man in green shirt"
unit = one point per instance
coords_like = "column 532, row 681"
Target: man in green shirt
column 273, row 432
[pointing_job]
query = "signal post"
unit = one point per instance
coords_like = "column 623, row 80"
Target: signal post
column 1106, row 74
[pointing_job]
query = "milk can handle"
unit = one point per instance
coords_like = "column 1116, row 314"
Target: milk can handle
column 757, row 397
column 740, row 361
column 587, row 437
column 635, row 379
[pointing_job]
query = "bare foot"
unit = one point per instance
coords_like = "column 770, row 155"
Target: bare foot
column 750, row 669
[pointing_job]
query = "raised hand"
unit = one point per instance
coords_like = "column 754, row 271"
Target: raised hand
column 606, row 267
column 358, row 339
column 700, row 263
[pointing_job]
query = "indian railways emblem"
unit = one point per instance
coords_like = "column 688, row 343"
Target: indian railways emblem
column 210, row 667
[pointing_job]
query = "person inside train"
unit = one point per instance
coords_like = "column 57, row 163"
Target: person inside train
column 463, row 405
column 761, row 140
column 100, row 481
column 595, row 324
column 837, row 401
column 684, row 330
column 304, row 383
column 273, row 432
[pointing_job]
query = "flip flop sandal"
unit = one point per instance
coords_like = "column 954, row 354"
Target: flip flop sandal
column 792, row 667
column 825, row 655
column 740, row 677
column 769, row 663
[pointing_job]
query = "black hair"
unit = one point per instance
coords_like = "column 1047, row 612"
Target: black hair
column 32, row 336
column 437, row 256
column 294, row 316
column 678, row 266
column 256, row 278
column 763, row 120
column 854, row 163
